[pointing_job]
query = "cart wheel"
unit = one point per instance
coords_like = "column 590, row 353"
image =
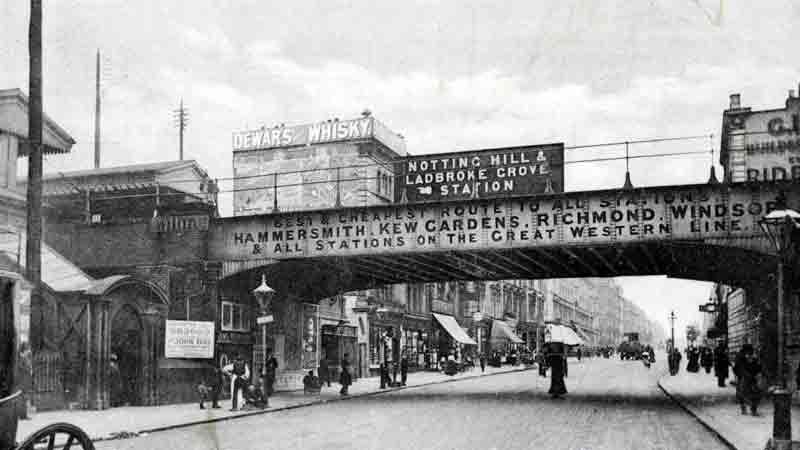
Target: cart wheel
column 61, row 436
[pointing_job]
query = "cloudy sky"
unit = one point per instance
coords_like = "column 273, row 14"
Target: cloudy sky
column 447, row 74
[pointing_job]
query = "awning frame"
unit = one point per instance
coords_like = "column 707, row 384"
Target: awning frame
column 454, row 329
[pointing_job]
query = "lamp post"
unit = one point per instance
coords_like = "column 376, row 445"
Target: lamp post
column 778, row 226
column 263, row 294
column 671, row 349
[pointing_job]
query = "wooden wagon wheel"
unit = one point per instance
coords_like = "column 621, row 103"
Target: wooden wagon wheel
column 61, row 436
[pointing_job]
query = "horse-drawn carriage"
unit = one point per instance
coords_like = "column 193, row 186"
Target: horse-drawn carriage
column 55, row 436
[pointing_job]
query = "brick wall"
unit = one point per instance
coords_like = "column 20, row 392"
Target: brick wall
column 99, row 246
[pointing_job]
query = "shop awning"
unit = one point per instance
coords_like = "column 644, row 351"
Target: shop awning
column 449, row 323
column 501, row 330
column 582, row 335
column 561, row 333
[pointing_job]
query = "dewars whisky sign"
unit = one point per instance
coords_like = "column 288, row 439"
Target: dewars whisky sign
column 494, row 173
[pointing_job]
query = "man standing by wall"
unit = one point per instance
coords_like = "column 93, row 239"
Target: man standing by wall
column 269, row 373
column 239, row 373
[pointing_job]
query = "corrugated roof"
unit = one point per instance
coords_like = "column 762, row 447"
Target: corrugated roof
column 57, row 271
column 145, row 167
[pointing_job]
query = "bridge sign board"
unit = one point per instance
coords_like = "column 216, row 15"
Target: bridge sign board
column 698, row 212
column 481, row 174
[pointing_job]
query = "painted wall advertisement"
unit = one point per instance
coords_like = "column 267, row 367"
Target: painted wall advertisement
column 189, row 339
column 567, row 219
column 772, row 145
column 479, row 174
column 310, row 336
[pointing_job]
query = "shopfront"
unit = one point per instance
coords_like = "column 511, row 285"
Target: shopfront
column 415, row 342
column 503, row 338
column 450, row 339
column 385, row 339
column 337, row 340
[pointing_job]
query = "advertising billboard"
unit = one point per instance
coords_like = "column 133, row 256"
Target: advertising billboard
column 318, row 133
column 493, row 173
column 772, row 145
column 189, row 339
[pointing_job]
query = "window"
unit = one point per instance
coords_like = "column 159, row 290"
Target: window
column 235, row 317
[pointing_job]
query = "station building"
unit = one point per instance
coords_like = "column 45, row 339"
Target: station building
column 82, row 317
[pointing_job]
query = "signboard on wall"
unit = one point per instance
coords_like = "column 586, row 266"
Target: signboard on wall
column 308, row 134
column 578, row 218
column 189, row 339
column 771, row 141
column 494, row 173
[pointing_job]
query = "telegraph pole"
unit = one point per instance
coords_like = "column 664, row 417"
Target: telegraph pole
column 33, row 246
column 181, row 120
column 97, row 112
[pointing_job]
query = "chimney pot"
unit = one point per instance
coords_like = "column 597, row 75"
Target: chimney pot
column 791, row 93
column 736, row 101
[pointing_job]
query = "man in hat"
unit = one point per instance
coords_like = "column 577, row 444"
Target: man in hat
column 239, row 373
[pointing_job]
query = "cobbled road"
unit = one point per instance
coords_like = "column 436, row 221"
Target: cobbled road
column 611, row 405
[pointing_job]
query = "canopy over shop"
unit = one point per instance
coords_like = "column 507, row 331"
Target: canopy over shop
column 561, row 334
column 454, row 337
column 503, row 337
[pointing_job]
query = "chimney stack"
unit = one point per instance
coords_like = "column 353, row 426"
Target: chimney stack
column 736, row 101
column 791, row 93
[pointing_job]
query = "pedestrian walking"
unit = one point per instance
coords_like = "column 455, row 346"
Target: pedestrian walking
column 403, row 370
column 674, row 361
column 324, row 373
column 384, row 373
column 747, row 368
column 482, row 359
column 269, row 373
column 579, row 353
column 693, row 357
column 557, row 361
column 707, row 359
column 721, row 363
column 239, row 373
column 345, row 379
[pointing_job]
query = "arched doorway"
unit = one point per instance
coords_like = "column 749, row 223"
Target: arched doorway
column 126, row 347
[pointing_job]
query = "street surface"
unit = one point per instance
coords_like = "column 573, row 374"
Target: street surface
column 611, row 404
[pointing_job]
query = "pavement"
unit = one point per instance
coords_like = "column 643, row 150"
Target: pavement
column 717, row 409
column 130, row 421
column 611, row 405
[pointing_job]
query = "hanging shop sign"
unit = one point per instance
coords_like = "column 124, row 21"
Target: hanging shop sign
column 189, row 339
column 503, row 172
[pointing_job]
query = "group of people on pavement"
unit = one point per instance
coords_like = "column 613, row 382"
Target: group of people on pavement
column 746, row 368
column 256, row 395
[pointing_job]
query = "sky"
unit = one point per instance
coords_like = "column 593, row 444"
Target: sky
column 449, row 75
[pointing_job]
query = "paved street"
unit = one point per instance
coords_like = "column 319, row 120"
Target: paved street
column 612, row 405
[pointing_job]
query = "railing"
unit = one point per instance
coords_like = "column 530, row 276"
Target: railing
column 611, row 165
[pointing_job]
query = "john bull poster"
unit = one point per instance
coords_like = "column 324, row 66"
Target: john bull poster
column 189, row 339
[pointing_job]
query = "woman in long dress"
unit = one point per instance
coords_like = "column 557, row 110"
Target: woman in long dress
column 557, row 361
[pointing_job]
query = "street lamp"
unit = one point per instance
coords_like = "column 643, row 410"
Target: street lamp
column 778, row 226
column 263, row 294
